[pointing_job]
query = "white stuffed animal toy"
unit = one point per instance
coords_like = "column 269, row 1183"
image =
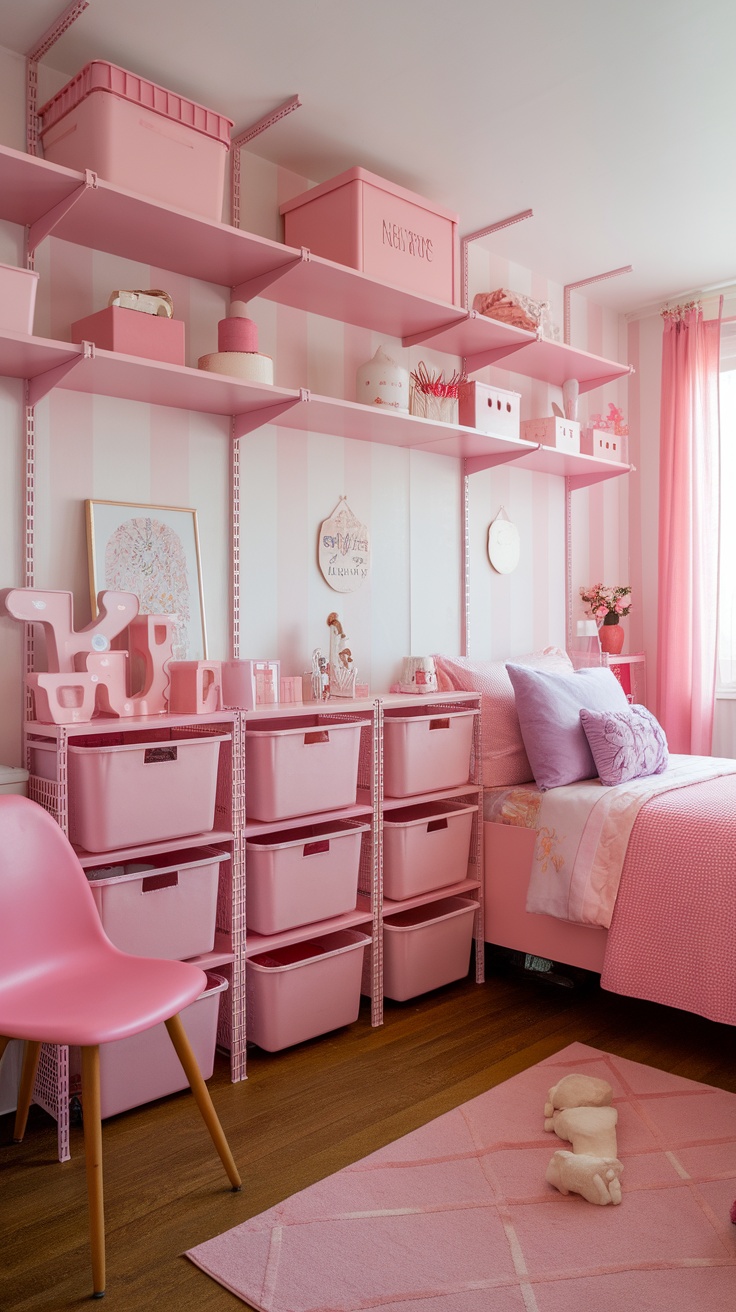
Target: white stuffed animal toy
column 596, row 1179
column 578, row 1109
column 577, row 1091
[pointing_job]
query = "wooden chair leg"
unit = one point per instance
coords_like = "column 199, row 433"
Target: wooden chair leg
column 181, row 1043
column 93, row 1160
column 3, row 1045
column 31, row 1055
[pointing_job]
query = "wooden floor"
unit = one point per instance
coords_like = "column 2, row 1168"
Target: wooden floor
column 300, row 1115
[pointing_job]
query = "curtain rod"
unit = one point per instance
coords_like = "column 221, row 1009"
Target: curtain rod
column 706, row 296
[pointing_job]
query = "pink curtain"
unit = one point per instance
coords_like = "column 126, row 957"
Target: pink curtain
column 688, row 529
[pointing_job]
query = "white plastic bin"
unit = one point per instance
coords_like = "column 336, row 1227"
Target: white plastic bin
column 304, row 989
column 425, row 846
column 425, row 751
column 17, row 298
column 427, row 946
column 164, row 907
column 144, row 1067
column 141, row 792
column 301, row 875
column 301, row 769
column 13, row 780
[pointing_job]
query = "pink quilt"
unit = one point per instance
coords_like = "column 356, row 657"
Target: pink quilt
column 673, row 932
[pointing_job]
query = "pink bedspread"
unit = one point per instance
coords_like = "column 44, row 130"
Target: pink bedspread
column 673, row 933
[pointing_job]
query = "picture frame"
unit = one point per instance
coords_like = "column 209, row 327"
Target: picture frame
column 152, row 551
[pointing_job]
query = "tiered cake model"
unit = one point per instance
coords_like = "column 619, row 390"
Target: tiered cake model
column 237, row 353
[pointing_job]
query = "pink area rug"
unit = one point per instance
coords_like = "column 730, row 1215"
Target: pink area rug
column 457, row 1216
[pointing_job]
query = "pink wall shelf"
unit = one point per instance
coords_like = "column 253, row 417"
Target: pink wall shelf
column 424, row 899
column 300, row 933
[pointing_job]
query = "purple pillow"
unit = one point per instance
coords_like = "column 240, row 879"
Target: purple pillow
column 626, row 744
column 549, row 706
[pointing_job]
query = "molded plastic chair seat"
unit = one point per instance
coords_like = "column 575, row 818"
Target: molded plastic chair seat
column 62, row 981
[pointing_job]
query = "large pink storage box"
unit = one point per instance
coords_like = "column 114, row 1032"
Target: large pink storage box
column 304, row 989
column 301, row 769
column 490, row 409
column 425, row 752
column 427, row 946
column 17, row 298
column 163, row 907
column 139, row 136
column 302, row 875
column 144, row 1067
column 141, row 792
column 132, row 332
column 425, row 847
column 387, row 232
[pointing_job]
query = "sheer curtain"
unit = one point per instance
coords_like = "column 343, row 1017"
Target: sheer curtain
column 688, row 529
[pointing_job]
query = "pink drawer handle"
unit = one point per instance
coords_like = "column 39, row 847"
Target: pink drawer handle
column 317, row 736
column 439, row 724
column 319, row 845
column 168, row 879
column 436, row 824
column 153, row 755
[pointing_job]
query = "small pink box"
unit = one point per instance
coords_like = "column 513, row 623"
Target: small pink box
column 387, row 232
column 603, row 443
column 140, row 137
column 489, row 409
column 425, row 752
column 250, row 683
column 17, row 298
column 425, row 846
column 290, row 688
column 296, row 992
column 427, row 946
column 133, row 333
column 564, row 434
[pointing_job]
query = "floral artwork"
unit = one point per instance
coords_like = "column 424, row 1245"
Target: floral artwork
column 152, row 551
column 602, row 602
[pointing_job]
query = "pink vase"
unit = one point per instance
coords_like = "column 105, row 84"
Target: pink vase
column 611, row 638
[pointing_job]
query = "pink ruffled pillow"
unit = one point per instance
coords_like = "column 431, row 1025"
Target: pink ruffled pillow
column 628, row 744
column 505, row 761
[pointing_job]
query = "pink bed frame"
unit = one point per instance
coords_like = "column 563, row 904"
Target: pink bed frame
column 507, row 860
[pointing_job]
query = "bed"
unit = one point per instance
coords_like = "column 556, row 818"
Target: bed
column 634, row 880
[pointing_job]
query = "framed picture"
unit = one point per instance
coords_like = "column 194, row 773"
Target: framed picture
column 152, row 551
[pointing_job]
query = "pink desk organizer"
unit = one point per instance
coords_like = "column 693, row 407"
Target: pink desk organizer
column 195, row 687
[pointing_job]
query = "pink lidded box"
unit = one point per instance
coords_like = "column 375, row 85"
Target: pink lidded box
column 602, row 442
column 132, row 332
column 139, row 136
column 564, row 434
column 387, row 232
column 17, row 298
column 489, row 409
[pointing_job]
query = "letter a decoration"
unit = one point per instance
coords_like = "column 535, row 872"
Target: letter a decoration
column 344, row 551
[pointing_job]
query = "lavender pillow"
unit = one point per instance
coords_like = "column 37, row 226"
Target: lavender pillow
column 626, row 744
column 549, row 706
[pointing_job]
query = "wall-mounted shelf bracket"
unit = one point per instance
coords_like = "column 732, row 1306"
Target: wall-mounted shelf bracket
column 245, row 291
column 484, row 232
column 242, row 139
column 586, row 282
column 250, row 420
column 44, row 226
column 42, row 384
column 476, row 464
column 427, row 334
column 591, row 383
column 480, row 359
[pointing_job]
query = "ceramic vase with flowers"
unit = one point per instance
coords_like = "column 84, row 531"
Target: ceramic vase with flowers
column 607, row 605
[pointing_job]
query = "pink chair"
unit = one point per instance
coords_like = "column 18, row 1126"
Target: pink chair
column 62, row 981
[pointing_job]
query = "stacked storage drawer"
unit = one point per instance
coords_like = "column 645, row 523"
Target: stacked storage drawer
column 302, row 872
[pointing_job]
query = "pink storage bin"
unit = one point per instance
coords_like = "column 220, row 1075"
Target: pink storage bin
column 427, row 946
column 564, row 434
column 489, row 409
column 141, row 792
column 425, row 752
column 425, row 847
column 302, row 769
column 164, row 907
column 139, row 136
column 304, row 989
column 133, row 333
column 384, row 230
column 137, row 1070
column 302, row 875
column 17, row 298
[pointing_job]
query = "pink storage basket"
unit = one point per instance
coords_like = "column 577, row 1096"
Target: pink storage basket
column 17, row 298
column 139, row 136
column 304, row 989
column 302, row 769
column 425, row 847
column 302, row 875
column 165, row 907
column 141, row 792
column 426, row 752
column 427, row 946
column 144, row 1067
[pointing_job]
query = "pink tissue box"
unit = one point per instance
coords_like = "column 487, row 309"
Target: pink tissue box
column 133, row 333
column 384, row 230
